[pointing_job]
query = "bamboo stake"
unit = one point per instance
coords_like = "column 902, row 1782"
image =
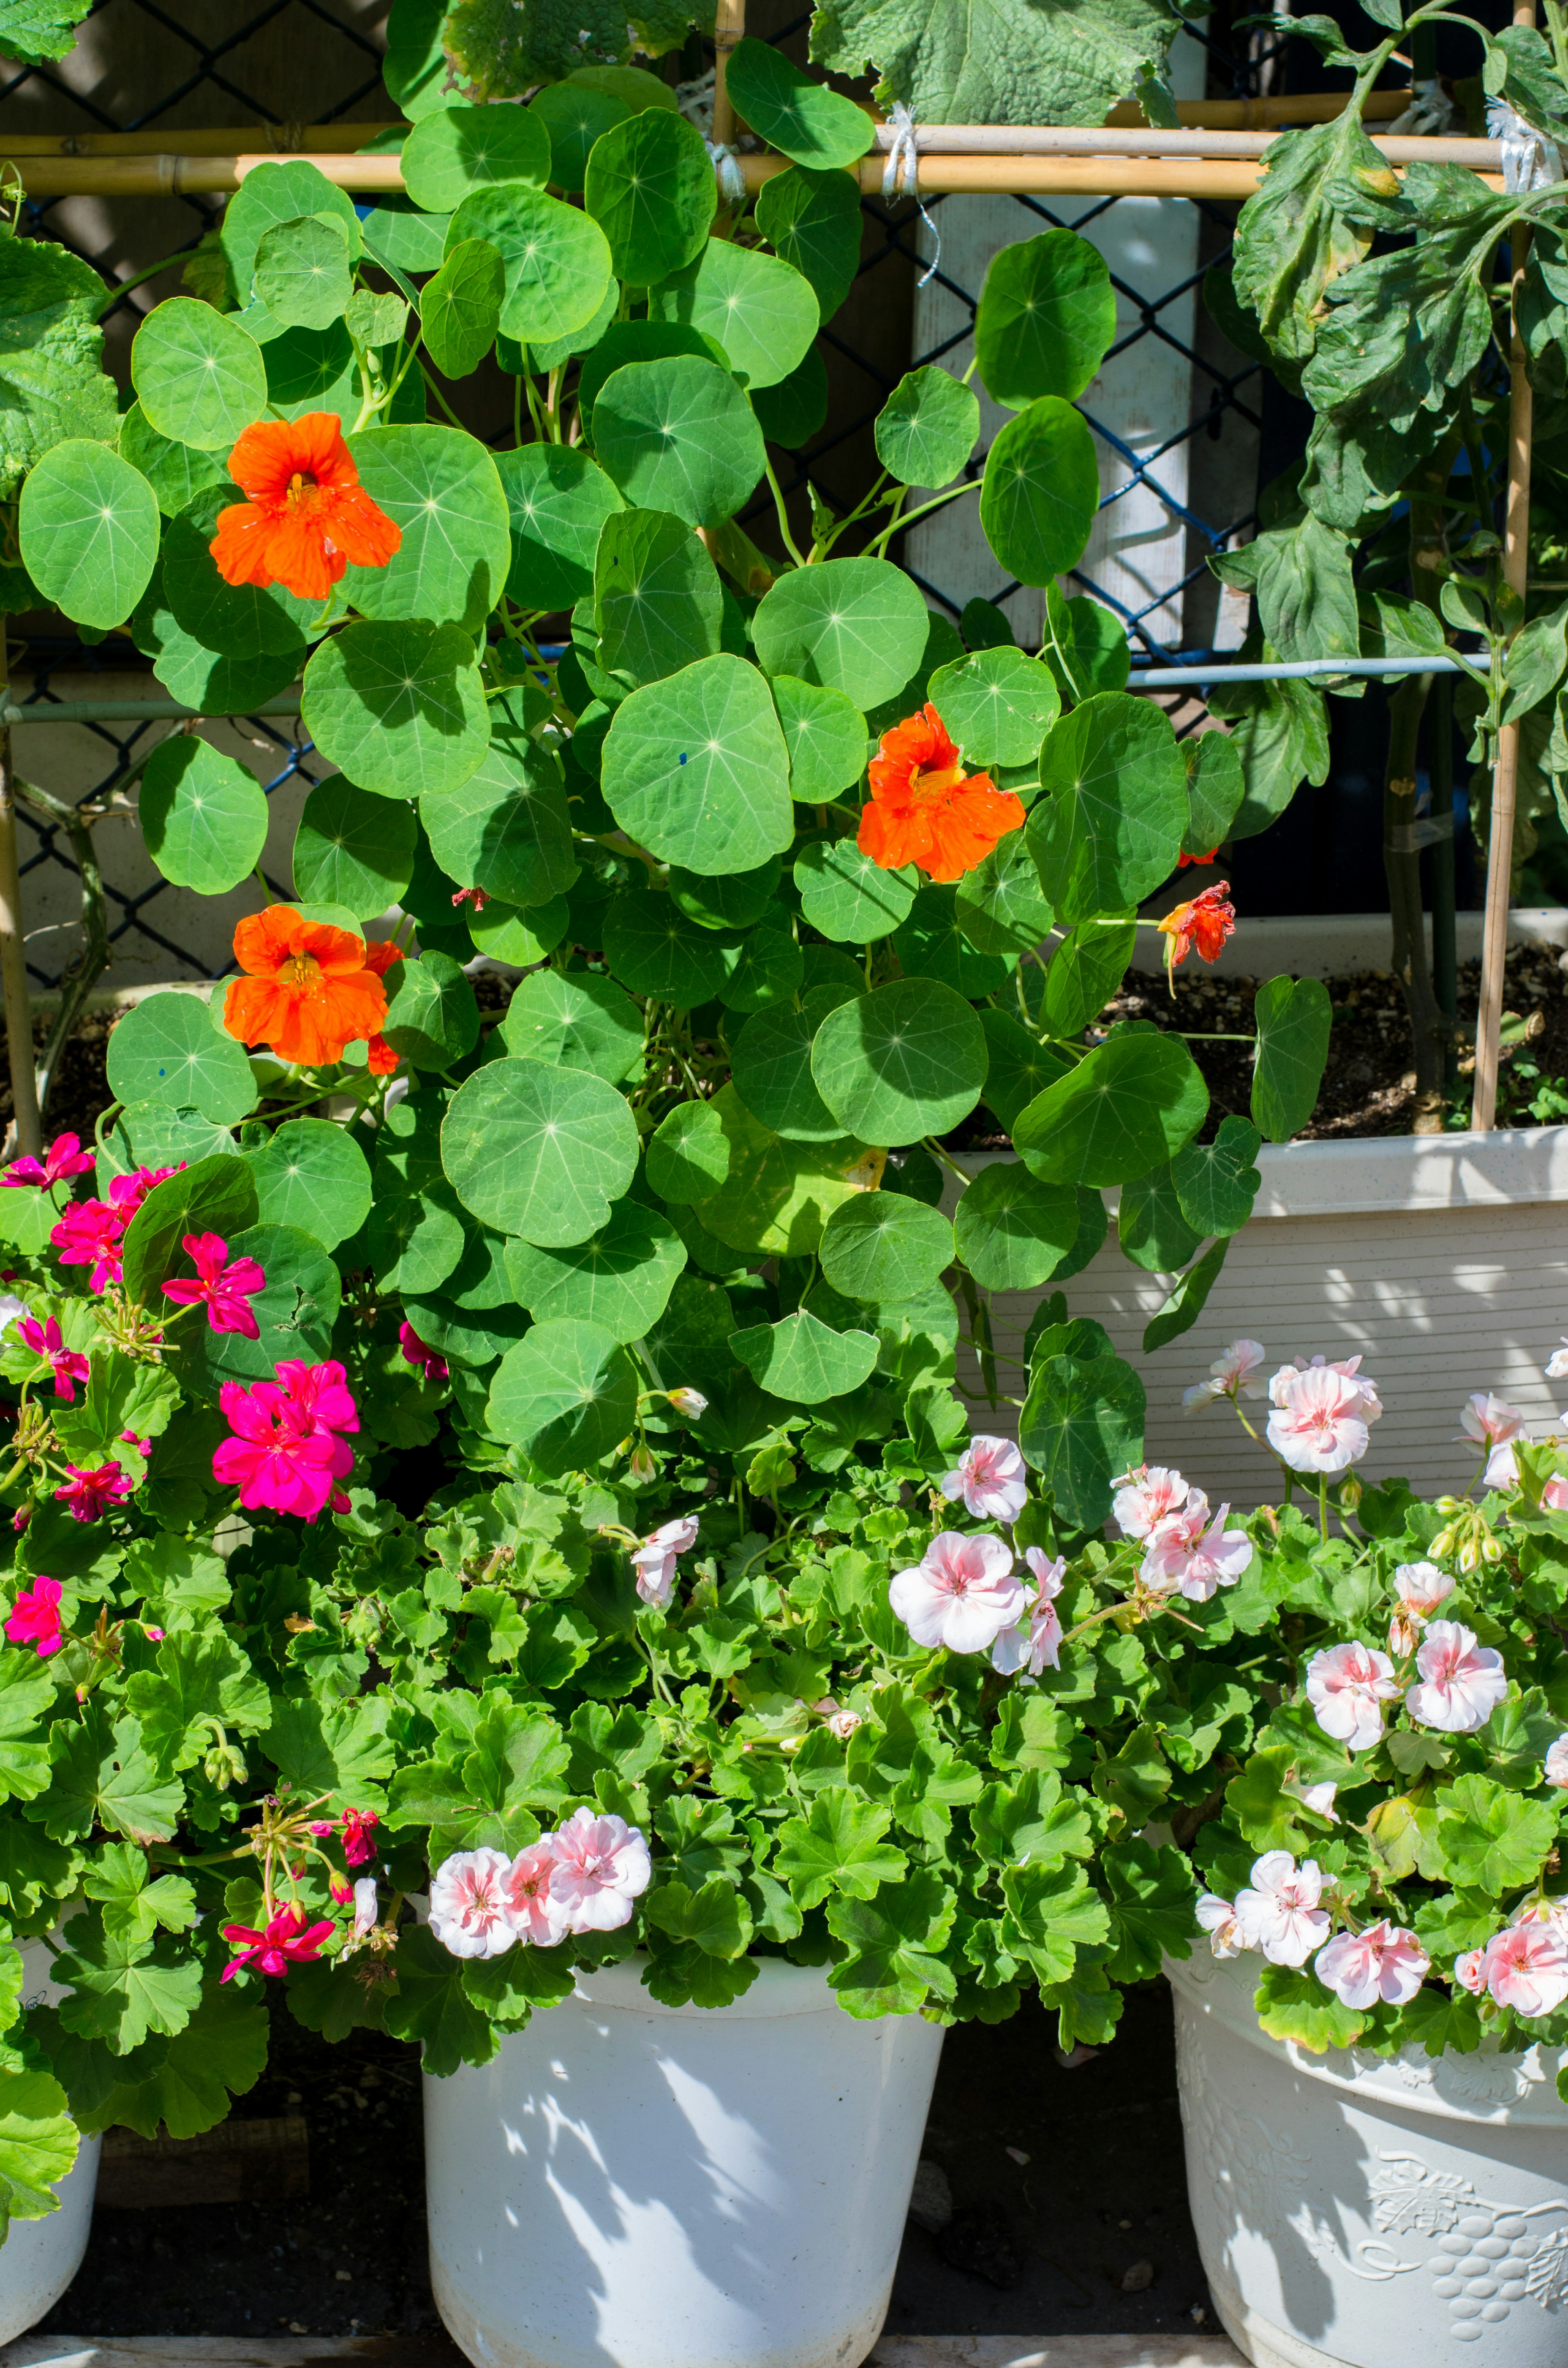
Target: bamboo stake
column 729, row 29
column 1053, row 140
column 1249, row 114
column 26, row 1134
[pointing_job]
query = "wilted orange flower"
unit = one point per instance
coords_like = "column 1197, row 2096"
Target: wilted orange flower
column 926, row 809
column 309, row 988
column 380, row 956
column 308, row 514
column 1205, row 921
column 1183, row 861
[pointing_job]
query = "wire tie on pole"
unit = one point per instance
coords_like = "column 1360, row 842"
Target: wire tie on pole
column 901, row 177
column 1530, row 161
column 726, row 165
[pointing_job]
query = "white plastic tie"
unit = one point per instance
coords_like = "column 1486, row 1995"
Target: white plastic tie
column 732, row 180
column 901, row 177
column 1430, row 111
column 1530, row 161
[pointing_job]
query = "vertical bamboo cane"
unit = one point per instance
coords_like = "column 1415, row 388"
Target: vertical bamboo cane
column 1506, row 772
column 26, row 1132
column 729, row 26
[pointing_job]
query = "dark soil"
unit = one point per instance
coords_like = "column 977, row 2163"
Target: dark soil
column 1107, row 2248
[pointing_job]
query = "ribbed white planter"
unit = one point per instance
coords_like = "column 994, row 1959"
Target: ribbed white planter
column 1355, row 2211
column 39, row 2258
column 629, row 2185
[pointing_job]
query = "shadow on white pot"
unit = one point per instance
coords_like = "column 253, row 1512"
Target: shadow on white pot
column 39, row 2258
column 1371, row 2210
column 629, row 2185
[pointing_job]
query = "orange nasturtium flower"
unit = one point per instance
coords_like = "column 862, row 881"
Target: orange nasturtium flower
column 925, row 809
column 309, row 988
column 1205, row 921
column 308, row 516
column 380, row 956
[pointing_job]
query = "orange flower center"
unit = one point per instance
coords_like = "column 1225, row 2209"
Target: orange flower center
column 302, row 491
column 300, row 969
column 930, row 783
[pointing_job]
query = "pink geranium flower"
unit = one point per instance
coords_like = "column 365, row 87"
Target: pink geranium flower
column 1146, row 1497
column 418, row 1352
column 63, row 1157
column 1556, row 1763
column 990, row 1478
column 287, row 1939
column 1461, row 1681
column 1233, row 1375
column 1347, row 1686
column 654, row 1559
column 1191, row 1559
column 1420, row 1586
column 276, row 1458
column 357, row 1848
column 962, row 1593
column 1278, row 1912
column 1384, row 1962
column 1554, row 1494
column 1469, row 1970
column 90, row 1235
column 227, row 1286
column 1036, row 1643
column 601, row 1868
column 469, row 1914
column 366, row 1908
column 88, row 1495
column 1217, row 1919
column 67, row 1365
column 1318, row 1423
column 838, row 1720
column 35, row 1618
column 128, row 1191
column 536, row 1914
column 1526, row 1968
column 1347, row 1368
column 320, row 1392
column 1492, row 1423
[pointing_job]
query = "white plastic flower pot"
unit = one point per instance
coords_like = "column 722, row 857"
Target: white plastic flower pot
column 630, row 2185
column 39, row 2258
column 1353, row 2210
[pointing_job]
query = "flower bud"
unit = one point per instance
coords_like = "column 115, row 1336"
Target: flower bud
column 1443, row 1544
column 1491, row 1549
column 691, row 1404
column 223, row 1766
column 1470, row 1557
column 1349, row 1493
column 641, row 1466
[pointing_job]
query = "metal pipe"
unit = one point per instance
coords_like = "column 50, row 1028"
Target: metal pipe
column 133, row 711
column 1191, row 677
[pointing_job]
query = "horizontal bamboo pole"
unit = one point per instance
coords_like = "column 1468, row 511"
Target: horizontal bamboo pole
column 227, row 140
column 1256, row 114
column 1028, row 140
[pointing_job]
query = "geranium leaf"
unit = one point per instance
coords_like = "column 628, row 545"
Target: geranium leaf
column 837, row 1850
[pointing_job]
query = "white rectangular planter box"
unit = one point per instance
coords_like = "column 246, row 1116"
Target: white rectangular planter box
column 1442, row 1260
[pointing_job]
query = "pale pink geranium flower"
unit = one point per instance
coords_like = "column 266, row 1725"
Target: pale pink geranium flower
column 838, row 1720
column 1347, row 1368
column 1553, row 1494
column 366, row 1908
column 68, row 1366
column 1319, row 1798
column 1188, row 1558
column 224, row 1286
column 469, row 1914
column 1492, row 1423
column 1036, row 1643
column 1217, row 1919
column 1526, row 1968
column 1318, row 1423
column 962, row 1593
column 990, row 1478
column 1557, row 1364
column 1145, row 1498
column 536, row 1915
column 1556, row 1763
column 654, row 1559
column 1461, row 1681
column 1278, row 1912
column 34, row 1618
column 1384, row 1962
column 690, row 1404
column 1347, row 1686
column 1420, row 1588
column 1469, row 1970
column 1233, row 1375
column 602, row 1867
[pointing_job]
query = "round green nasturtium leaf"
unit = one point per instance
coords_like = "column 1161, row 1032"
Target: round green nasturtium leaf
column 658, row 603
column 213, row 682
column 312, row 370
column 650, row 187
column 1216, row 785
column 509, row 934
column 150, row 1134
column 854, row 625
column 566, row 1394
column 680, row 436
column 271, row 194
column 462, row 148
column 620, row 1276
column 767, row 972
column 203, row 817
column 1018, row 1066
column 574, row 1020
column 1293, row 1018
column 762, row 311
column 479, row 1282
column 885, row 1246
column 352, row 849
column 931, row 944
column 1046, row 320
column 177, row 472
column 1000, row 907
column 400, row 708
column 1151, row 1229
column 245, row 622
column 653, row 949
column 440, row 489
column 1084, row 647
column 557, row 499
column 825, row 735
column 88, row 528
column 927, row 428
column 1013, row 1232
column 688, row 1154
column 398, row 234
column 778, row 1195
column 1041, row 491
column 312, row 1175
column 574, row 116
column 638, row 341
column 998, row 705
column 432, row 1017
column 1108, row 825
column 302, row 275
column 540, row 1152
column 1134, row 1101
column 812, row 219
column 695, row 769
column 1085, row 969
column 633, row 86
column 844, row 896
column 295, row 1312
column 794, row 410
column 544, row 354
column 506, row 829
column 165, row 1050
column 197, row 378
column 901, row 1062
column 1216, row 1182
column 801, row 119
column 771, row 1072
column 556, row 260
column 460, row 309
column 732, row 901
column 804, row 1361
column 466, row 1336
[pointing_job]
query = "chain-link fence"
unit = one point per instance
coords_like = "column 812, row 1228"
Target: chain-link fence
column 1175, row 409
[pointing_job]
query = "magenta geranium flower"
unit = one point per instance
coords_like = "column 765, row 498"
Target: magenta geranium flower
column 601, row 1868
column 90, row 1233
column 287, row 1939
column 130, row 1190
column 67, row 1365
column 962, row 1593
column 275, row 1458
column 227, row 1286
column 63, row 1157
column 419, row 1352
column 35, row 1617
column 357, row 1847
column 88, row 1495
column 321, row 1393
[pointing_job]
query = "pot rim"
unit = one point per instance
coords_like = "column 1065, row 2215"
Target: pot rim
column 779, row 1991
